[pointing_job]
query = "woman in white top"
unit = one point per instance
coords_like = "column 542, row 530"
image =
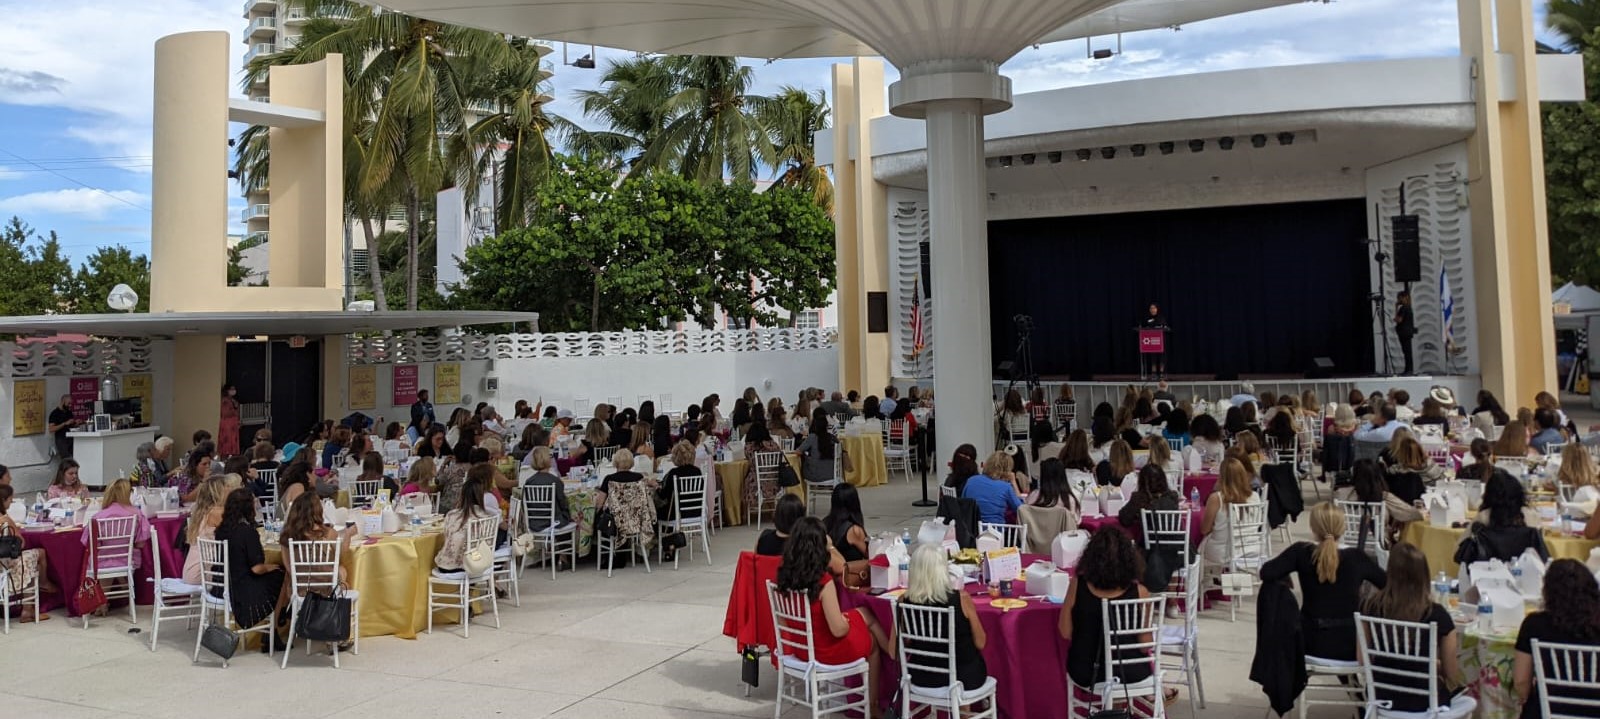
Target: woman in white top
column 1075, row 458
column 1578, row 472
column 1233, row 487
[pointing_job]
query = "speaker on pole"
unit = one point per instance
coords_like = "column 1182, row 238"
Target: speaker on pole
column 1407, row 248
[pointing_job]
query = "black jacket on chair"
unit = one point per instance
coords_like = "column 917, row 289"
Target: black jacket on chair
column 964, row 513
column 1283, row 502
column 1279, row 665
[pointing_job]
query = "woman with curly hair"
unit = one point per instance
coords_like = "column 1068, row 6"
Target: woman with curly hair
column 840, row 637
column 1110, row 569
column 1571, row 615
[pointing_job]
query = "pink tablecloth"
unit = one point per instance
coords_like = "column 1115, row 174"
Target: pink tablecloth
column 1206, row 483
column 1025, row 654
column 64, row 551
column 1093, row 524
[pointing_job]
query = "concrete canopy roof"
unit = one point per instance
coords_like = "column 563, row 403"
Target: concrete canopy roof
column 903, row 31
column 171, row 324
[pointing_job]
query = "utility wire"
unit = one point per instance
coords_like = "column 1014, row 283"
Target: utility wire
column 75, row 181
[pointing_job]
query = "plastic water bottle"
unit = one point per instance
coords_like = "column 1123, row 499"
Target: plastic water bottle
column 1441, row 589
column 1485, row 616
column 69, row 521
column 1567, row 525
column 38, row 507
column 1194, row 496
column 905, row 537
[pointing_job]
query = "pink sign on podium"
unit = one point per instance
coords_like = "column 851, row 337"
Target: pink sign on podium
column 1152, row 342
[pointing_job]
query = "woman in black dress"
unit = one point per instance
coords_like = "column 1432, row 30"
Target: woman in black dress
column 1110, row 569
column 255, row 587
column 844, row 524
column 928, row 585
column 1330, row 582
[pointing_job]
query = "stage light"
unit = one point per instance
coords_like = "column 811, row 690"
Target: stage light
column 1108, row 152
column 1084, row 155
column 1027, row 158
column 1053, row 156
column 1102, row 54
column 1137, row 150
column 1197, row 145
column 1225, row 143
column 1285, row 138
column 1167, row 147
column 1005, row 160
column 1258, row 141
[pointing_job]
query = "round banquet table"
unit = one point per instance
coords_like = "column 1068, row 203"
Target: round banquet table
column 1093, row 524
column 1206, row 483
column 731, row 477
column 1487, row 661
column 1438, row 544
column 868, row 468
column 64, row 552
column 391, row 573
column 1025, row 653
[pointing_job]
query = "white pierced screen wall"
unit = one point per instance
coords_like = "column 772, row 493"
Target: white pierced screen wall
column 908, row 232
column 55, row 359
column 1433, row 198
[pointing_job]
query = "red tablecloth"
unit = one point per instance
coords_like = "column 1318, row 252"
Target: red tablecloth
column 1206, row 483
column 64, row 552
column 1025, row 653
column 1093, row 524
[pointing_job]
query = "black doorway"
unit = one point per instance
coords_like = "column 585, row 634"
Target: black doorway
column 296, row 390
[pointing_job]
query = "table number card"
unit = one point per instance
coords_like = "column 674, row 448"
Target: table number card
column 1004, row 563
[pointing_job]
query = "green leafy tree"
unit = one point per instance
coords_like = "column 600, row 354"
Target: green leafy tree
column 630, row 104
column 511, row 143
column 1574, row 21
column 1572, row 179
column 776, row 252
column 792, row 118
column 712, row 128
column 103, row 270
column 36, row 275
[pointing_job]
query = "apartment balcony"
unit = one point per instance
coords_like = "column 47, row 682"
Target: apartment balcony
column 256, row 238
column 254, row 212
column 251, row 6
column 260, row 50
column 266, row 27
column 295, row 16
column 261, row 98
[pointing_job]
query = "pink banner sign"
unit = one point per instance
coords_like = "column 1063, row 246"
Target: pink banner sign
column 405, row 384
column 1152, row 342
column 84, row 391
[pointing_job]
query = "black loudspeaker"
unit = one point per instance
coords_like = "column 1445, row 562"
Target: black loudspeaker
column 1407, row 248
column 1321, row 368
column 1228, row 376
column 877, row 312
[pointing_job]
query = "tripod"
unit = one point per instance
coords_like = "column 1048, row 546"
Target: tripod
column 1022, row 371
column 1380, row 314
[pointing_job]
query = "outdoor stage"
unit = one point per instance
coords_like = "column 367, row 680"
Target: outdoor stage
column 1089, row 394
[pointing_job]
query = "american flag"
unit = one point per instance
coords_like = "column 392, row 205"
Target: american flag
column 917, row 342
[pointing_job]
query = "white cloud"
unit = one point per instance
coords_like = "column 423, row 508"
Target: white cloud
column 98, row 58
column 78, row 201
column 8, row 173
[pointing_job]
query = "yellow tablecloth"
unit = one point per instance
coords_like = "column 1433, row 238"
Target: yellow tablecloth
column 867, row 465
column 392, row 577
column 730, row 476
column 1438, row 544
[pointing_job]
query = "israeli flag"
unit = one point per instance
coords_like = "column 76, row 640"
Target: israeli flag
column 1447, row 305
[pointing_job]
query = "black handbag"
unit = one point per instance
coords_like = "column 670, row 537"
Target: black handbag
column 324, row 618
column 605, row 524
column 220, row 640
column 10, row 544
column 1123, row 712
column 786, row 476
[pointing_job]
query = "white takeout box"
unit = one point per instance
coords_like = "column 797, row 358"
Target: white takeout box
column 1067, row 548
column 1047, row 581
column 989, row 541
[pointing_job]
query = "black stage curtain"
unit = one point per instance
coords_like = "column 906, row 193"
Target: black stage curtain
column 1258, row 289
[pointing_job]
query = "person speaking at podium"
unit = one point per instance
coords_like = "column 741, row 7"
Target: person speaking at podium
column 1154, row 320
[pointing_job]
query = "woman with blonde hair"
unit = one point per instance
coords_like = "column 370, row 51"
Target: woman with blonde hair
column 1162, row 458
column 928, row 585
column 118, row 502
column 1117, row 467
column 1578, row 472
column 1310, row 406
column 1331, row 581
column 1233, row 487
column 1513, row 442
column 1409, row 458
column 420, row 477
column 1001, row 466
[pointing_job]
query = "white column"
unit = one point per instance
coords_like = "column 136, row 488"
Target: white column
column 959, row 245
column 953, row 96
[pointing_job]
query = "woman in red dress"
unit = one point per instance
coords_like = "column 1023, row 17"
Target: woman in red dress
column 228, row 427
column 840, row 637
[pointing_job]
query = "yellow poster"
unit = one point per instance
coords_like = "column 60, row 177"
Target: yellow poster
column 447, row 383
column 27, row 407
column 143, row 387
column 363, row 387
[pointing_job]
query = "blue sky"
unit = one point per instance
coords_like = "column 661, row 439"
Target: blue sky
column 75, row 86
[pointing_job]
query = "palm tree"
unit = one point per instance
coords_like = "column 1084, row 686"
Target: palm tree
column 512, row 140
column 1573, row 21
column 630, row 103
column 711, row 128
column 792, row 118
column 410, row 79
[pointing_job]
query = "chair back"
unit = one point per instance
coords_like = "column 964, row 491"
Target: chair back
column 1011, row 535
column 395, row 455
column 1399, row 658
column 1166, row 528
column 1248, row 533
column 690, row 499
column 791, row 624
column 364, row 491
column 786, row 444
column 1565, row 675
column 1064, row 413
column 1176, row 443
column 113, row 541
column 1514, row 466
column 1439, row 454
column 582, row 406
column 314, row 566
column 1193, row 595
column 603, row 455
column 481, row 530
column 1358, row 513
column 767, row 466
column 663, row 402
column 1283, row 452
column 927, row 643
column 944, row 490
column 1564, row 493
column 1125, row 620
column 214, row 579
column 270, row 478
column 539, row 502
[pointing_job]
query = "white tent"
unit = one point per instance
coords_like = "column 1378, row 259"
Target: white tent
column 1577, row 301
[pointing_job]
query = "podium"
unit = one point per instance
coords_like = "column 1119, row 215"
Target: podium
column 1152, row 350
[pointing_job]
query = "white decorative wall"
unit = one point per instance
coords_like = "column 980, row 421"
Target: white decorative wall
column 1435, row 190
column 908, row 232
